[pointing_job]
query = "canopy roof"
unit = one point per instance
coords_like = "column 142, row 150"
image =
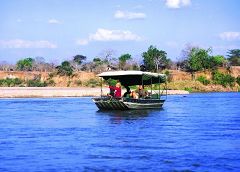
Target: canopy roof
column 131, row 77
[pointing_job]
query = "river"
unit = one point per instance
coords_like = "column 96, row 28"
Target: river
column 195, row 132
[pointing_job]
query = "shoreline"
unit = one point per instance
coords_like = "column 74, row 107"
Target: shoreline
column 51, row 92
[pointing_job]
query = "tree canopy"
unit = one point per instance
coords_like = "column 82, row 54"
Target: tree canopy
column 123, row 59
column 79, row 59
column 25, row 64
column 65, row 69
column 154, row 58
column 234, row 57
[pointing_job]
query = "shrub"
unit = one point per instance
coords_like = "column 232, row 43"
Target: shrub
column 36, row 83
column 203, row 80
column 168, row 74
column 92, row 83
column 51, row 75
column 69, row 83
column 238, row 80
column 189, row 89
column 223, row 79
column 8, row 82
column 51, row 82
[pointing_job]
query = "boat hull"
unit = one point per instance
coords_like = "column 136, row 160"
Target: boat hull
column 106, row 103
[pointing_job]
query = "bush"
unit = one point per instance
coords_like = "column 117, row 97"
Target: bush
column 51, row 82
column 203, row 80
column 189, row 89
column 51, row 75
column 168, row 74
column 36, row 83
column 238, row 80
column 8, row 82
column 69, row 83
column 223, row 79
column 92, row 83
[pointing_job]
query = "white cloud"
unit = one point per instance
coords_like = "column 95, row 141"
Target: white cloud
column 54, row 21
column 114, row 35
column 19, row 43
column 177, row 3
column 129, row 15
column 230, row 36
column 110, row 35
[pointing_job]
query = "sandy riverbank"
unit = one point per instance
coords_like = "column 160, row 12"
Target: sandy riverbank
column 18, row 92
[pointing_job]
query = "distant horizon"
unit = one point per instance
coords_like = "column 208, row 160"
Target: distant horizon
column 59, row 30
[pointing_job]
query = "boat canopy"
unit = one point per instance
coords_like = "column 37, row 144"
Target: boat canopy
column 128, row 78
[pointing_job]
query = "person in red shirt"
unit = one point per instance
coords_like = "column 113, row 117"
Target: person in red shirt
column 118, row 90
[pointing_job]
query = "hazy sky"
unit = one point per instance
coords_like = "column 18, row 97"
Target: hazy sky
column 60, row 29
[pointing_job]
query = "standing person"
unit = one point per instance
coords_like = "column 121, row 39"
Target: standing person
column 118, row 90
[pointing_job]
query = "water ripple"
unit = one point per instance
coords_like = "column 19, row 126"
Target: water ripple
column 199, row 132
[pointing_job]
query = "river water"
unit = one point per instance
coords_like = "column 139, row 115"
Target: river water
column 196, row 132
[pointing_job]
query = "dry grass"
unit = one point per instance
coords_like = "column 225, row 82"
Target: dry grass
column 196, row 86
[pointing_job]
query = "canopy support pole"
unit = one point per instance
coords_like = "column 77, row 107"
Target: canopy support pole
column 142, row 87
column 159, row 88
column 151, row 86
column 101, row 87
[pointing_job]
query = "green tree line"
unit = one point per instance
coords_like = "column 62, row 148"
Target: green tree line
column 193, row 59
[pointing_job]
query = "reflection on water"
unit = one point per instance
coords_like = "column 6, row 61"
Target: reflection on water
column 116, row 116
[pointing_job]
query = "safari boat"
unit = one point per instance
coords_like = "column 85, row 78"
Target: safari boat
column 130, row 78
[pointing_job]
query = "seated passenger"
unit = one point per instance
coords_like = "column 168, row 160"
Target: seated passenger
column 141, row 92
column 117, row 89
column 134, row 95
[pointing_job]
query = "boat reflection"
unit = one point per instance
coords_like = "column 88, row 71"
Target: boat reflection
column 119, row 116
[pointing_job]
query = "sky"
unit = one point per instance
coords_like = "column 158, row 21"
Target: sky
column 60, row 29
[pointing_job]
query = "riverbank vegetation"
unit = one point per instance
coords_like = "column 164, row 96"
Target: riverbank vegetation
column 207, row 72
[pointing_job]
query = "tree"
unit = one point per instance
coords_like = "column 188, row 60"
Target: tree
column 65, row 69
column 39, row 63
column 5, row 66
column 107, row 56
column 154, row 58
column 97, row 61
column 25, row 64
column 123, row 59
column 216, row 61
column 234, row 57
column 196, row 59
column 79, row 59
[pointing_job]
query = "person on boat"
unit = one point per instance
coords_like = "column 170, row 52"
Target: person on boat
column 134, row 95
column 111, row 82
column 117, row 89
column 140, row 92
column 128, row 92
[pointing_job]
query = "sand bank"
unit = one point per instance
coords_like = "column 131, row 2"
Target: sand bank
column 18, row 92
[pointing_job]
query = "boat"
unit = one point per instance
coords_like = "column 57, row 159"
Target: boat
column 130, row 78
